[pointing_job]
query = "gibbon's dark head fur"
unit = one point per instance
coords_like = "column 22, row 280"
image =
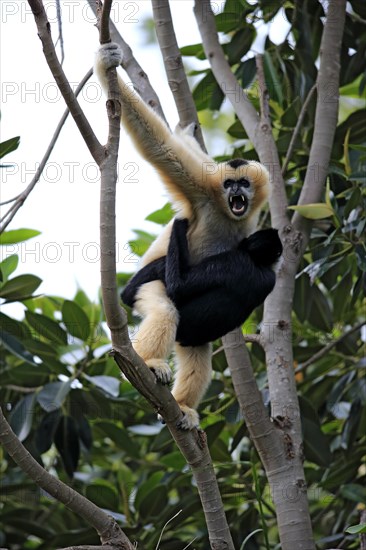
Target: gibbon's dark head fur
column 241, row 187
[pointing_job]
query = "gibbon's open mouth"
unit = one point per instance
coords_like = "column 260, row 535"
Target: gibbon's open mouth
column 238, row 204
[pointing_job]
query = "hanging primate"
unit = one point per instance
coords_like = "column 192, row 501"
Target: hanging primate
column 221, row 201
column 210, row 296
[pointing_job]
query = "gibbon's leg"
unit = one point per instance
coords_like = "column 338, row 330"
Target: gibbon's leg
column 156, row 335
column 150, row 272
column 192, row 378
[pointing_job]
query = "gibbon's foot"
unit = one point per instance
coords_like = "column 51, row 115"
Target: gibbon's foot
column 190, row 418
column 161, row 370
column 110, row 55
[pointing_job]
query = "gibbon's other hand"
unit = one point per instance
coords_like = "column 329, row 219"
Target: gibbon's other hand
column 264, row 247
column 110, row 55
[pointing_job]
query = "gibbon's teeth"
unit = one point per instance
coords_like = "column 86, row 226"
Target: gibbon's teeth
column 238, row 204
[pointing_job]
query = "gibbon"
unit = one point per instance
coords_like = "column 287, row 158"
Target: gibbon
column 208, row 296
column 222, row 202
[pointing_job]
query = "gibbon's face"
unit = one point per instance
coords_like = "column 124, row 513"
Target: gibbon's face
column 244, row 187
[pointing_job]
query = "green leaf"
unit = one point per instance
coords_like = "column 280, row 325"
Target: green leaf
column 20, row 288
column 240, row 44
column 46, row 431
column 193, row 50
column 108, row 384
column 52, row 396
column 311, row 305
column 207, row 93
column 351, row 89
column 162, row 216
column 255, row 532
column 15, row 328
column 76, row 320
column 357, row 529
column 290, row 116
column 8, row 146
column 28, row 375
column 119, row 436
column 13, row 345
column 340, row 473
column 316, row 444
column 154, row 503
column 67, row 443
column 82, row 299
column 314, row 211
column 18, row 235
column 273, row 80
column 354, row 492
column 350, row 427
column 246, row 72
column 21, row 416
column 84, row 431
column 103, row 494
column 237, row 130
column 8, row 266
column 140, row 245
column 227, row 22
column 174, row 460
column 46, row 327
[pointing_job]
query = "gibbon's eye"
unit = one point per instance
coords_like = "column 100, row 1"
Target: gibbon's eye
column 244, row 182
column 228, row 183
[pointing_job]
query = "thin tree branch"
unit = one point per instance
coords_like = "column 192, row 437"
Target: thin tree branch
column 192, row 443
column 259, row 134
column 363, row 535
column 252, row 339
column 263, row 91
column 60, row 33
column 174, row 68
column 108, row 529
column 22, row 197
column 273, row 446
column 43, row 26
column 247, row 338
column 8, row 201
column 261, row 429
column 135, row 72
column 326, row 113
column 324, row 351
column 276, row 329
column 104, row 33
column 297, row 129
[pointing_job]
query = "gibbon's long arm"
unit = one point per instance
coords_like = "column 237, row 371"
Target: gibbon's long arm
column 179, row 161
